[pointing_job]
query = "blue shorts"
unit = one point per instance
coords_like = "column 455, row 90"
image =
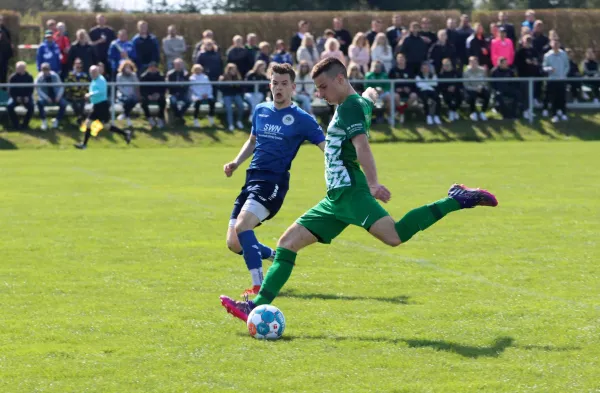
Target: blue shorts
column 268, row 194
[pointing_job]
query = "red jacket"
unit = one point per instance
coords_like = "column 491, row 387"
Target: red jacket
column 63, row 44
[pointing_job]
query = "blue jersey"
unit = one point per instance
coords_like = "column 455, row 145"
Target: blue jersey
column 279, row 134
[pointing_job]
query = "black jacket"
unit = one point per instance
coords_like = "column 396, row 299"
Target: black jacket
column 146, row 90
column 343, row 35
column 101, row 50
column 21, row 91
column 439, row 52
column 295, row 43
column 590, row 68
column 175, row 76
column 461, row 43
column 84, row 52
column 393, row 35
column 431, row 35
column 503, row 87
column 574, row 71
column 399, row 75
column 6, row 51
column 414, row 49
column 480, row 48
column 257, row 77
column 231, row 90
column 521, row 64
column 212, row 63
column 452, row 74
column 539, row 43
column 242, row 58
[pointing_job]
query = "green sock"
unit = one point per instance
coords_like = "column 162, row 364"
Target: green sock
column 423, row 217
column 277, row 275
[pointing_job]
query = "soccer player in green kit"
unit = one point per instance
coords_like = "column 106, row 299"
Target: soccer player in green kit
column 352, row 193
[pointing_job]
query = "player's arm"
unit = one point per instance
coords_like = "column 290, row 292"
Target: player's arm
column 322, row 146
column 367, row 162
column 245, row 152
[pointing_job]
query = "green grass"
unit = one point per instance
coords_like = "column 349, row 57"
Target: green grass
column 582, row 126
column 112, row 261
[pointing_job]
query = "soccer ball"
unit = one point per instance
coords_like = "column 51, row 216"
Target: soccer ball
column 266, row 322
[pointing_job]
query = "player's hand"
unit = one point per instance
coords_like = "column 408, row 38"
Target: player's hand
column 371, row 94
column 380, row 192
column 229, row 168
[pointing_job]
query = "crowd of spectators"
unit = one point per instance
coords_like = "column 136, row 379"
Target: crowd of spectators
column 415, row 57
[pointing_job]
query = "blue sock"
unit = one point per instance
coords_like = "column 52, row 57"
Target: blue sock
column 252, row 255
column 265, row 252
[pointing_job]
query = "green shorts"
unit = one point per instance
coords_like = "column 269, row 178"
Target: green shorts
column 340, row 208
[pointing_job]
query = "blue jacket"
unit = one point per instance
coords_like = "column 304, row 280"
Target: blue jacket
column 98, row 90
column 114, row 53
column 146, row 50
column 282, row 58
column 49, row 53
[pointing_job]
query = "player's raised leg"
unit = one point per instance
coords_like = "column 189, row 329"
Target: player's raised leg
column 459, row 197
column 295, row 238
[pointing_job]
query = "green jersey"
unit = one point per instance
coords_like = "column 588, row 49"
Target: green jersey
column 352, row 117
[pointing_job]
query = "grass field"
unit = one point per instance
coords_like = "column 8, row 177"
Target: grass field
column 112, row 261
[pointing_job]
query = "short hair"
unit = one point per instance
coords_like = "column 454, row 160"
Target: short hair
column 330, row 66
column 283, row 69
column 414, row 24
column 45, row 66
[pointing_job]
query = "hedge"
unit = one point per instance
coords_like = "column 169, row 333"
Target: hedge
column 12, row 21
column 268, row 26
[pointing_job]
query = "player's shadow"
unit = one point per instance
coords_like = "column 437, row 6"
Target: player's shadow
column 400, row 299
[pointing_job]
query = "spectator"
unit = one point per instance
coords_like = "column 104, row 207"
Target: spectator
column 428, row 93
column 426, row 34
column 75, row 95
column 376, row 28
column 51, row 25
column 128, row 95
column 463, row 32
column 296, row 40
column 574, row 72
column 101, row 69
column 355, row 76
column 507, row 90
column 179, row 93
column 153, row 93
column 451, row 31
column 81, row 49
column 255, row 95
column 527, row 65
column 590, row 70
column 48, row 52
column 239, row 55
column 20, row 96
column 529, row 19
column 359, row 52
column 479, row 47
column 321, row 41
column 525, row 31
column 232, row 93
column 552, row 36
column 441, row 50
column 494, row 33
column 308, row 51
column 556, row 65
column 252, row 47
column 173, row 46
column 202, row 93
column 62, row 40
column 50, row 95
column 451, row 91
column 342, row 35
column 382, row 51
column 502, row 47
column 206, row 35
column 377, row 72
column 540, row 41
column 394, row 32
column 101, row 36
column 211, row 62
column 264, row 52
column 4, row 30
column 6, row 52
column 145, row 47
column 120, row 50
column 280, row 55
column 476, row 88
column 332, row 49
column 305, row 87
column 100, row 108
column 414, row 49
column 508, row 27
column 405, row 91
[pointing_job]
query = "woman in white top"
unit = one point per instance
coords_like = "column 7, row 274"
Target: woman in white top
column 308, row 51
column 332, row 49
column 360, row 52
column 202, row 92
column 382, row 51
column 305, row 87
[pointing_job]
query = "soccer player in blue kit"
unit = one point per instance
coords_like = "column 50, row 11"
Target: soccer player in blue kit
column 278, row 129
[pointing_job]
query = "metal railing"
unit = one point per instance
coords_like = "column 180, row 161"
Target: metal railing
column 530, row 81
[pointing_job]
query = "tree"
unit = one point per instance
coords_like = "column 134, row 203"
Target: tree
column 97, row 6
